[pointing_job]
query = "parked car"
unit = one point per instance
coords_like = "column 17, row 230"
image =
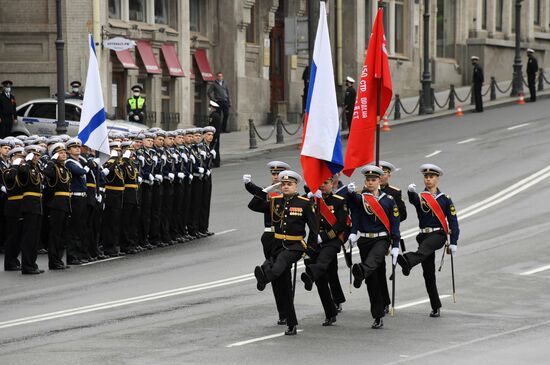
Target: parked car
column 40, row 117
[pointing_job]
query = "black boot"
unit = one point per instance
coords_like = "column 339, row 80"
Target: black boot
column 358, row 275
column 260, row 277
column 329, row 321
column 435, row 313
column 402, row 261
column 308, row 282
column 291, row 331
column 377, row 324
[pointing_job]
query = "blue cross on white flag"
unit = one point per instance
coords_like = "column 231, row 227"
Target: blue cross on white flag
column 92, row 129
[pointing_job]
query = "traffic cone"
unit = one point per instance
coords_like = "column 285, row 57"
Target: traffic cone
column 386, row 125
column 521, row 99
column 459, row 112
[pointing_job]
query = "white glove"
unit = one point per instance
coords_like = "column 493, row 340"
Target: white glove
column 3, row 189
column 105, row 171
column 351, row 187
column 394, row 253
column 136, row 117
column 193, row 158
column 318, row 194
column 453, row 249
column 87, row 169
column 208, row 172
column 347, row 245
column 201, row 170
column 213, row 153
column 171, row 176
column 151, row 177
column 140, row 179
column 271, row 188
column 114, row 153
column 190, row 177
column 29, row 157
column 247, row 178
column 185, row 158
column 310, row 195
column 353, row 238
column 158, row 177
column 141, row 158
column 203, row 154
column 181, row 175
column 99, row 198
column 17, row 162
column 127, row 154
column 319, row 239
column 55, row 156
column 97, row 160
column 163, row 158
column 412, row 188
column 175, row 156
column 156, row 159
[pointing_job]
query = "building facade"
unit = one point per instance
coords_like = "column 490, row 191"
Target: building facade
column 261, row 46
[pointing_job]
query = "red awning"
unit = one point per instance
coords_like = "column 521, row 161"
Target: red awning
column 148, row 57
column 204, row 65
column 126, row 58
column 171, row 59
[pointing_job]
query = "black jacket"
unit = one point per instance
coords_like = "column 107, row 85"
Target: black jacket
column 478, row 76
column 7, row 107
column 58, row 178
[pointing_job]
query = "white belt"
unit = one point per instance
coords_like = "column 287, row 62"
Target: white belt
column 430, row 230
column 102, row 190
column 197, row 174
column 372, row 235
column 79, row 194
column 268, row 229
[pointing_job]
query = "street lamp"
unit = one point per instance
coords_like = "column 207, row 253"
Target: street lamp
column 426, row 77
column 517, row 75
column 61, row 128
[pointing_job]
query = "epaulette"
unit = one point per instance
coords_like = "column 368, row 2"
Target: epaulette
column 395, row 188
column 338, row 196
column 447, row 196
column 277, row 196
column 389, row 196
column 303, row 198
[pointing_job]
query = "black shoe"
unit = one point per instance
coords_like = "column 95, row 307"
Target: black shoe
column 329, row 321
column 209, row 233
column 387, row 309
column 435, row 313
column 260, row 277
column 74, row 262
column 281, row 322
column 358, row 275
column 120, row 253
column 32, row 272
column 291, row 331
column 42, row 251
column 339, row 307
column 402, row 261
column 84, row 261
column 59, row 267
column 102, row 257
column 308, row 282
column 377, row 324
column 12, row 268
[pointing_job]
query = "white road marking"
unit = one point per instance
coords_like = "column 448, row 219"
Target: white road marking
column 534, row 271
column 224, row 232
column 497, row 198
column 100, row 261
column 422, row 301
column 433, row 154
column 467, row 141
column 518, row 126
column 258, row 339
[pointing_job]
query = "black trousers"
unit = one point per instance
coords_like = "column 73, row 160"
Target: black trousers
column 372, row 252
column 77, row 224
column 428, row 244
column 532, row 82
column 12, row 248
column 216, row 143
column 277, row 285
column 478, row 98
column 224, row 110
column 146, row 191
column 196, row 205
column 318, row 269
column 187, row 186
column 156, row 214
column 383, row 283
column 2, row 221
column 334, row 283
column 204, row 219
column 167, row 208
column 129, row 227
column 349, row 118
column 92, row 229
column 175, row 219
column 6, row 125
column 58, row 222
column 29, row 241
column 110, row 229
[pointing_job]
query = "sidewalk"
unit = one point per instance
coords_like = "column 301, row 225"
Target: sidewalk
column 235, row 145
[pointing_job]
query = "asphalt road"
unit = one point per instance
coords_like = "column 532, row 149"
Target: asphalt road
column 198, row 303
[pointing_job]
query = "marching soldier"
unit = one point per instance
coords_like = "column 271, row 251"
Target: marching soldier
column 188, row 182
column 375, row 228
column 12, row 210
column 159, row 158
column 145, row 157
column 168, row 188
column 532, row 70
column 437, row 220
column 267, row 239
column 5, row 147
column 478, row 80
column 58, row 179
column 176, row 227
column 333, row 278
column 135, row 106
column 290, row 213
column 333, row 216
column 30, row 178
column 130, row 205
column 208, row 157
column 197, row 152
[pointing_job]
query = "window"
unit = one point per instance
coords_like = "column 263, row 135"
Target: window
column 537, row 12
column 114, row 9
column 399, row 45
column 251, row 29
column 368, row 21
column 484, row 14
column 446, row 28
column 162, row 10
column 498, row 15
column 195, row 15
column 72, row 113
column 44, row 110
column 21, row 112
column 137, row 10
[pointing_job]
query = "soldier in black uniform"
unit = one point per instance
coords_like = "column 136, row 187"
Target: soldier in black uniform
column 145, row 156
column 75, row 91
column 478, row 80
column 208, row 158
column 267, row 239
column 188, row 182
column 532, row 70
column 12, row 210
column 197, row 153
column 432, row 234
column 130, row 205
column 159, row 158
column 349, row 100
column 168, row 175
column 333, row 216
column 375, row 228
column 8, row 107
column 30, row 178
column 5, row 147
column 176, row 227
column 395, row 193
column 215, row 120
column 290, row 213
column 58, row 180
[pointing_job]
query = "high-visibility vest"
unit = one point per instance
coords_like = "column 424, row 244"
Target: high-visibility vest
column 140, row 102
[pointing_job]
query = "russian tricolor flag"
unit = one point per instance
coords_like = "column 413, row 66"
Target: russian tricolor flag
column 321, row 155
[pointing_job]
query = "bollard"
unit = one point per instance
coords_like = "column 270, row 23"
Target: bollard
column 541, row 80
column 280, row 137
column 452, row 98
column 420, row 103
column 472, row 96
column 493, row 88
column 252, row 135
column 397, row 112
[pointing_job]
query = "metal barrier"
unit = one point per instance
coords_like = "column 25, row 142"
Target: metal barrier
column 169, row 121
column 279, row 127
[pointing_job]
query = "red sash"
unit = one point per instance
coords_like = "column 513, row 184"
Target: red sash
column 436, row 208
column 377, row 210
column 273, row 194
column 327, row 214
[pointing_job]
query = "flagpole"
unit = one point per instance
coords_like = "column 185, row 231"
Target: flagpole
column 378, row 90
